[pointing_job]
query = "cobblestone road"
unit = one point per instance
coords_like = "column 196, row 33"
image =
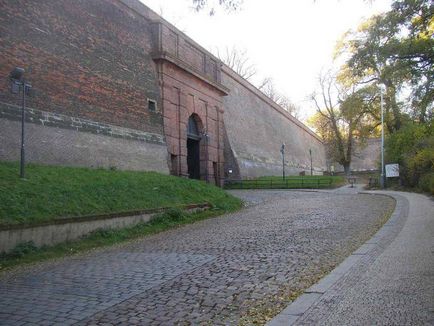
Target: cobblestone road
column 226, row 270
column 392, row 284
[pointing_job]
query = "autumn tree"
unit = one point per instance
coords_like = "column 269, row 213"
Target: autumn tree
column 395, row 49
column 345, row 116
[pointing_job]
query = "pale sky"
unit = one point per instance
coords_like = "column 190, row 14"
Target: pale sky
column 290, row 41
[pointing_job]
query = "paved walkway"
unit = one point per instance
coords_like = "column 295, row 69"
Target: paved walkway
column 227, row 270
column 388, row 281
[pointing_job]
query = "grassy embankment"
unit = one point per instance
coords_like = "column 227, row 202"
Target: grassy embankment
column 50, row 192
column 290, row 182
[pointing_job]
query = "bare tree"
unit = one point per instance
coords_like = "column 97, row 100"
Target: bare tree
column 238, row 61
column 211, row 5
column 267, row 87
column 289, row 106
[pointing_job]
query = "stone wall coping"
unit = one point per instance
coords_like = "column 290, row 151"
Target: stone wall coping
column 147, row 13
column 87, row 218
column 253, row 89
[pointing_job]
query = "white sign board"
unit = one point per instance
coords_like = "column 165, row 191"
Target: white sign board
column 392, row 170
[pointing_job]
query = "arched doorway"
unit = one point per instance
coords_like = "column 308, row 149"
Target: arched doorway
column 193, row 147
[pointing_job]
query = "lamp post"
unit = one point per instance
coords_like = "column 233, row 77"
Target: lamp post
column 206, row 137
column 282, row 150
column 382, row 181
column 311, row 166
column 18, row 84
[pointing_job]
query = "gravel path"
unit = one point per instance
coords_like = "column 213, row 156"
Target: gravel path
column 233, row 269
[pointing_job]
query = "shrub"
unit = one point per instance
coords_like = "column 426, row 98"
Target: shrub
column 422, row 162
column 103, row 233
column 412, row 147
column 22, row 249
column 172, row 214
column 426, row 183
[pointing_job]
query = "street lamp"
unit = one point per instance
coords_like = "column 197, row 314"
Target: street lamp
column 382, row 181
column 282, row 150
column 206, row 138
column 18, row 83
column 311, row 166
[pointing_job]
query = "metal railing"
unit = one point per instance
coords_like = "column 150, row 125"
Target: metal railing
column 287, row 183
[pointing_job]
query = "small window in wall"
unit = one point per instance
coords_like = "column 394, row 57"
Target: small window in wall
column 152, row 105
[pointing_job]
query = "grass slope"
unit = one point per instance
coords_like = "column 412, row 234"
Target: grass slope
column 49, row 192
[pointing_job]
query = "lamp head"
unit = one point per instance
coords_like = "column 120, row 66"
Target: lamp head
column 17, row 74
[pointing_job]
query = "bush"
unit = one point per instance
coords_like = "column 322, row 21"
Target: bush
column 426, row 183
column 103, row 233
column 172, row 214
column 23, row 249
column 412, row 147
column 422, row 162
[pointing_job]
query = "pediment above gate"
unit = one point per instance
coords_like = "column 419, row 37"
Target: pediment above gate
column 174, row 46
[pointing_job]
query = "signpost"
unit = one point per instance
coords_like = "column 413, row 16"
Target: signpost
column 282, row 150
column 392, row 170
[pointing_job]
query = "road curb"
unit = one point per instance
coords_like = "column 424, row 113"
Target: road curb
column 372, row 248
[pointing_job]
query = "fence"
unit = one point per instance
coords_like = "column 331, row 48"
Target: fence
column 287, row 183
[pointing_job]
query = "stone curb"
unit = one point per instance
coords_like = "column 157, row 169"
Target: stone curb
column 312, row 295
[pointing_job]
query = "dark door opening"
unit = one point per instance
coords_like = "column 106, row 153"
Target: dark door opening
column 193, row 158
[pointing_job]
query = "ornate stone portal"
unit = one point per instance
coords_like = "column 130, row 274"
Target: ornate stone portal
column 192, row 105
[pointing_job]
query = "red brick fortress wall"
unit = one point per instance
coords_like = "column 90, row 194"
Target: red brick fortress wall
column 256, row 128
column 92, row 72
column 94, row 66
column 87, row 59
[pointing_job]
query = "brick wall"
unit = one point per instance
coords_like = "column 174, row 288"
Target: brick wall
column 53, row 138
column 94, row 65
column 257, row 127
column 88, row 59
column 89, row 63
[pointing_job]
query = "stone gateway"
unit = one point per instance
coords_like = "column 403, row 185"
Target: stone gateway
column 115, row 85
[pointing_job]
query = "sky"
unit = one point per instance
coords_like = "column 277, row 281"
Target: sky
column 290, row 41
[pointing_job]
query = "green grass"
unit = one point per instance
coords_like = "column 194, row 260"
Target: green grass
column 50, row 192
column 26, row 253
column 290, row 182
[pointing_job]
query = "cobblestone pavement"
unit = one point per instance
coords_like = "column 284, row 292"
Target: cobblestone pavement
column 392, row 284
column 211, row 272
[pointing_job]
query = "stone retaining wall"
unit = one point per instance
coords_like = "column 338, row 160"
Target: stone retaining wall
column 61, row 230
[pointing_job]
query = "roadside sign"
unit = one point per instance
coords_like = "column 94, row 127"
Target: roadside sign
column 392, row 170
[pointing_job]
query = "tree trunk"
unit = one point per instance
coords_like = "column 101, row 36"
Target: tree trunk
column 391, row 104
column 347, row 168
